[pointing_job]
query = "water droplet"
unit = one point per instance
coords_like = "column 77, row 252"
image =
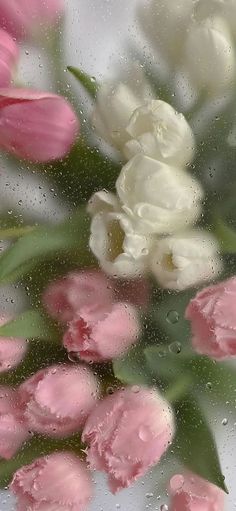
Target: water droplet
column 164, row 507
column 209, row 385
column 144, row 433
column 149, row 495
column 73, row 356
column 175, row 347
column 161, row 353
column 110, row 390
column 176, row 482
column 172, row 317
column 135, row 389
column 224, row 422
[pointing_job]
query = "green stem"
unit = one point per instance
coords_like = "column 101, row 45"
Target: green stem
column 181, row 387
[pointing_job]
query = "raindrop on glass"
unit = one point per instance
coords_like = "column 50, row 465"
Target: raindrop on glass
column 172, row 317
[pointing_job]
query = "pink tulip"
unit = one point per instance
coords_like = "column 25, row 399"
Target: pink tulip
column 13, row 430
column 102, row 335
column 212, row 313
column 56, row 401
column 127, row 433
column 12, row 351
column 64, row 298
column 190, row 492
column 9, row 55
column 58, row 482
column 22, row 17
column 36, row 126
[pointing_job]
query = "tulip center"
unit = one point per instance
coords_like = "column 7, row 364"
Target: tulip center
column 168, row 263
column 116, row 239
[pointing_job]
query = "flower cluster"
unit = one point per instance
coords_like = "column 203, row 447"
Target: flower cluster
column 148, row 225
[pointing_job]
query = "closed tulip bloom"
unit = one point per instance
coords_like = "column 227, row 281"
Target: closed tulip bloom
column 210, row 57
column 57, row 400
column 36, row 126
column 212, row 314
column 158, row 131
column 22, row 18
column 103, row 335
column 158, row 198
column 185, row 260
column 58, row 482
column 9, row 54
column 13, row 428
column 120, row 250
column 189, row 492
column 65, row 297
column 127, row 433
column 116, row 102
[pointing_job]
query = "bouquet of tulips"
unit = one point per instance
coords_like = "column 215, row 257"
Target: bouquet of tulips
column 129, row 328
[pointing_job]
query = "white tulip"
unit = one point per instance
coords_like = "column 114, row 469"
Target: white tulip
column 158, row 198
column 209, row 55
column 164, row 22
column 158, row 131
column 185, row 260
column 116, row 102
column 226, row 9
column 120, row 251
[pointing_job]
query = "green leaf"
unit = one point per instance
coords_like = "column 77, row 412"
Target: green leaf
column 131, row 368
column 44, row 242
column 163, row 364
column 218, row 379
column 88, row 82
column 194, row 444
column 29, row 325
column 226, row 237
column 38, row 446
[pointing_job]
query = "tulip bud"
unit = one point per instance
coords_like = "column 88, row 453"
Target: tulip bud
column 210, row 58
column 158, row 131
column 64, row 298
column 190, row 492
column 185, row 260
column 115, row 103
column 36, row 126
column 102, row 334
column 120, row 251
column 57, row 400
column 13, row 428
column 158, row 198
column 22, row 18
column 58, row 482
column 127, row 433
column 212, row 313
